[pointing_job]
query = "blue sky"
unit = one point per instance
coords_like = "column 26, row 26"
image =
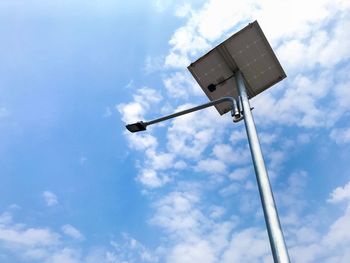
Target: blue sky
column 76, row 187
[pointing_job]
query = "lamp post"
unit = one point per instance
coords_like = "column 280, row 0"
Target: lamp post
column 236, row 70
column 278, row 245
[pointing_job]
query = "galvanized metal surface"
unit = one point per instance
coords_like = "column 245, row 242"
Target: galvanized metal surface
column 278, row 246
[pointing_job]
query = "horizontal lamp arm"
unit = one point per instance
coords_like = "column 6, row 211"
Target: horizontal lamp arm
column 141, row 126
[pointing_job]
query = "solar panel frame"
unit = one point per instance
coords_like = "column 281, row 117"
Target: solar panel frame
column 247, row 51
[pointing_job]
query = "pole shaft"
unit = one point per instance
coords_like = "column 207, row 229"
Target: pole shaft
column 278, row 246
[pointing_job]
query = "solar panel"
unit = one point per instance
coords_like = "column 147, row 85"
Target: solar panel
column 247, row 51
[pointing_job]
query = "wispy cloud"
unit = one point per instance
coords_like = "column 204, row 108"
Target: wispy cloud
column 340, row 135
column 153, row 64
column 72, row 232
column 50, row 198
column 340, row 194
column 43, row 244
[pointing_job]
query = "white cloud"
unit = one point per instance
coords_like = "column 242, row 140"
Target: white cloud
column 20, row 242
column 175, row 213
column 217, row 211
column 181, row 215
column 50, row 198
column 130, row 250
column 183, row 10
column 232, row 188
column 194, row 233
column 143, row 99
column 307, row 238
column 199, row 251
column 341, row 90
column 276, row 158
column 66, row 255
column 35, row 254
column 185, row 41
column 5, row 218
column 314, row 246
column 218, row 17
column 72, row 232
column 223, row 152
column 161, row 5
column 27, row 237
column 240, row 173
column 340, row 194
column 339, row 233
column 238, row 135
column 298, row 105
column 131, row 112
column 188, row 135
column 181, row 85
column 291, row 195
column 267, row 138
column 151, row 178
column 141, row 141
column 211, row 166
column 176, row 60
column 305, row 253
column 249, row 245
column 325, row 48
column 153, row 64
column 159, row 161
column 236, row 154
column 180, row 165
column 340, row 136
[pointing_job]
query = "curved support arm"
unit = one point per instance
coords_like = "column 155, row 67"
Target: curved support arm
column 141, row 126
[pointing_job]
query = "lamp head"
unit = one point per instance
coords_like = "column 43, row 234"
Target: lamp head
column 137, row 126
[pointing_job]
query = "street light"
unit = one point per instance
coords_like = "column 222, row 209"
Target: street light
column 137, row 126
column 236, row 70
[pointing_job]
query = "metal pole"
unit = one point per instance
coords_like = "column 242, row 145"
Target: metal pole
column 278, row 246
